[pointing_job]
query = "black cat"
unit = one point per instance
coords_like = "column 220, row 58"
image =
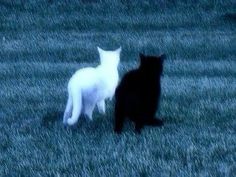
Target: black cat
column 137, row 95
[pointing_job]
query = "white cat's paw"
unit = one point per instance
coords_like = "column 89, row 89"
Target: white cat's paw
column 90, row 117
column 110, row 98
column 102, row 110
column 101, row 107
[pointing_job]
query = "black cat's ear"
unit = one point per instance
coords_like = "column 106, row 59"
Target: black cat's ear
column 163, row 57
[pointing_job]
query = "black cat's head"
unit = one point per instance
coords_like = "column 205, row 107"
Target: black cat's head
column 152, row 64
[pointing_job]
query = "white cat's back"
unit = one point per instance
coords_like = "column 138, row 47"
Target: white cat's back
column 83, row 78
column 109, row 79
column 90, row 87
column 101, row 81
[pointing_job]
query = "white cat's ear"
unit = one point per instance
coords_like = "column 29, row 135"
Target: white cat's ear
column 118, row 50
column 99, row 49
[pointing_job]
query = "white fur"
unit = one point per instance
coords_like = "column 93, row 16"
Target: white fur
column 89, row 87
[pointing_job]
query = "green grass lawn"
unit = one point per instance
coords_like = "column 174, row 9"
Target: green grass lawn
column 43, row 42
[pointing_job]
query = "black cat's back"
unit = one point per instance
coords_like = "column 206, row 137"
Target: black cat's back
column 137, row 95
column 128, row 84
column 137, row 92
column 127, row 91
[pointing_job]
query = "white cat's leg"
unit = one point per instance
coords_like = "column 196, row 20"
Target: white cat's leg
column 68, row 109
column 112, row 95
column 77, row 106
column 88, row 109
column 110, row 98
column 101, row 106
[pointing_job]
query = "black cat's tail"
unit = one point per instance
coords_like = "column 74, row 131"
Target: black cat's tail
column 154, row 122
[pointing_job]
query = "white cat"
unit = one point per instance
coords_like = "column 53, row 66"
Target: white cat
column 89, row 87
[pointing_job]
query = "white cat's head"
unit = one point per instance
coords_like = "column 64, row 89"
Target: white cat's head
column 109, row 58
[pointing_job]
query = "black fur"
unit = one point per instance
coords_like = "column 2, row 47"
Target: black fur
column 137, row 95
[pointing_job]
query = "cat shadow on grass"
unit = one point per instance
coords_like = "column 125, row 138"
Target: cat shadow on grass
column 50, row 118
column 230, row 16
column 169, row 120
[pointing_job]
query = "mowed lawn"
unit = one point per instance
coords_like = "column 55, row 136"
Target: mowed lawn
column 42, row 43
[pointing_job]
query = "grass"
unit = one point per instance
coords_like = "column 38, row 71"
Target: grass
column 43, row 42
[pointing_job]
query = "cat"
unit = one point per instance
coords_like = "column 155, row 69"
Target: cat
column 90, row 86
column 137, row 96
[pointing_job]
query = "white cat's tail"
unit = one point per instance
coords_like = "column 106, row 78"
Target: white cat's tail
column 75, row 98
column 69, row 106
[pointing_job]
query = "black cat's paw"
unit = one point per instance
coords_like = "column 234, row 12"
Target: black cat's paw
column 155, row 122
column 138, row 131
column 117, row 131
column 138, row 128
column 158, row 122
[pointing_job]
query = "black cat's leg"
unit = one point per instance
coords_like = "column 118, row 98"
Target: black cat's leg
column 138, row 126
column 154, row 122
column 119, row 118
